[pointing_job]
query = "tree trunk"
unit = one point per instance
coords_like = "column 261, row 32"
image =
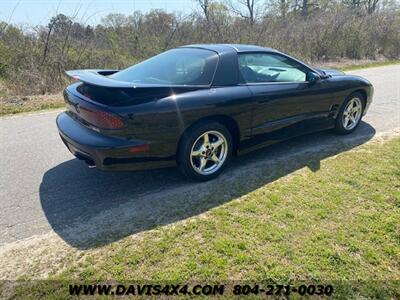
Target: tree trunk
column 250, row 7
column 304, row 8
column 283, row 8
column 46, row 44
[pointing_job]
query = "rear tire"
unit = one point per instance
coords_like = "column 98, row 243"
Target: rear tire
column 350, row 114
column 204, row 151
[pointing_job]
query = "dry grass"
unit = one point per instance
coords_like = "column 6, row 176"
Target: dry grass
column 351, row 64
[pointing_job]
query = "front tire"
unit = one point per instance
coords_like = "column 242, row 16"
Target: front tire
column 205, row 150
column 350, row 114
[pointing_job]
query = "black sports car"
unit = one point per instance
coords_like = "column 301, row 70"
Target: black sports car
column 197, row 105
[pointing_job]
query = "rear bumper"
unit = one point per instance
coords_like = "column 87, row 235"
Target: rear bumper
column 106, row 152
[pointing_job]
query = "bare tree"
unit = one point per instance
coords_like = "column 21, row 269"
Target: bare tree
column 283, row 7
column 35, row 58
column 372, row 6
column 47, row 42
column 369, row 5
column 307, row 6
column 4, row 24
column 247, row 9
column 304, row 8
column 205, row 5
column 353, row 3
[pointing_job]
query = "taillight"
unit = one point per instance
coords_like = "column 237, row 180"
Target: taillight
column 100, row 118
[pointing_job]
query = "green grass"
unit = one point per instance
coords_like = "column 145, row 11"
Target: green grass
column 16, row 104
column 369, row 65
column 12, row 109
column 338, row 225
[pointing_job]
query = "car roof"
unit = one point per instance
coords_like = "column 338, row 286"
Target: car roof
column 223, row 48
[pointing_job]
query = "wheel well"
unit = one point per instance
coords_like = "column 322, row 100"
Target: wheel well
column 228, row 122
column 363, row 94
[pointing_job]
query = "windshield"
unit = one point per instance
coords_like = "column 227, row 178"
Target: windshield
column 182, row 66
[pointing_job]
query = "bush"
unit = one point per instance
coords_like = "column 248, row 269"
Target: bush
column 33, row 60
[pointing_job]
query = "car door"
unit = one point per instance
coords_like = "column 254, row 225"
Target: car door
column 286, row 102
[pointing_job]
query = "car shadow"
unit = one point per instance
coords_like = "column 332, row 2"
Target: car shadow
column 88, row 208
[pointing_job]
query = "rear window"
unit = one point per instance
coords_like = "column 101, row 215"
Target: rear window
column 183, row 66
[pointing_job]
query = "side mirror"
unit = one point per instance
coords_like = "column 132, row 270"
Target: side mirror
column 313, row 78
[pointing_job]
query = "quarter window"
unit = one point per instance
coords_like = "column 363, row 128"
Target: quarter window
column 270, row 67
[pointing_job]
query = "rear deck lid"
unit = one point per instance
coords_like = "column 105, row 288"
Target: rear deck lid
column 97, row 87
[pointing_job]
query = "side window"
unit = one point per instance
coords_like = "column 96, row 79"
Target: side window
column 270, row 67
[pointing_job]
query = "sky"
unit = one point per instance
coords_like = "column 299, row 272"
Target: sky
column 39, row 12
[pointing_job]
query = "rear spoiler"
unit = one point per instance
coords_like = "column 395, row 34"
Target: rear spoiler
column 98, row 78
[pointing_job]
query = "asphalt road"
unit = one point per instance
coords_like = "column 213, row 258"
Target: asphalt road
column 44, row 189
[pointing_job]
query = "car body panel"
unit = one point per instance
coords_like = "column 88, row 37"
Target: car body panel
column 158, row 115
column 106, row 152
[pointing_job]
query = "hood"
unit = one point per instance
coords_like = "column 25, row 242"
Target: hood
column 331, row 72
